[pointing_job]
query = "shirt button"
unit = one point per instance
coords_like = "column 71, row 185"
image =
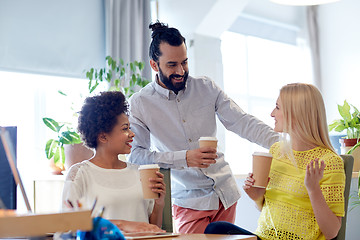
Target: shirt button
column 184, row 120
column 178, row 100
column 190, row 140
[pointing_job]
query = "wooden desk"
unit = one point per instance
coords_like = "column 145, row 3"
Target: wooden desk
column 208, row 237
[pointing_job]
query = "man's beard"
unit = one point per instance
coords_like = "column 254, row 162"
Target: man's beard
column 168, row 83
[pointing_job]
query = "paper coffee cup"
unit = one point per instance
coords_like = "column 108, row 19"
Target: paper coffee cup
column 147, row 172
column 208, row 142
column 261, row 168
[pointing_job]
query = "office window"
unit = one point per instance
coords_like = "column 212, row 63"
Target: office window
column 24, row 100
column 254, row 71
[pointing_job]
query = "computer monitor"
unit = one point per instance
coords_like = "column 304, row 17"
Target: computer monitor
column 7, row 182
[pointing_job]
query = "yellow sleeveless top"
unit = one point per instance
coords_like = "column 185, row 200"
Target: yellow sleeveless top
column 287, row 211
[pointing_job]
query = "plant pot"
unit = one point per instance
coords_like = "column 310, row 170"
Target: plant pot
column 57, row 168
column 346, row 145
column 76, row 153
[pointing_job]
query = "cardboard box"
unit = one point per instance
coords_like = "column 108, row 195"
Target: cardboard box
column 43, row 224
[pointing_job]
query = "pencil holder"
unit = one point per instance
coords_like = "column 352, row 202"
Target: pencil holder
column 102, row 229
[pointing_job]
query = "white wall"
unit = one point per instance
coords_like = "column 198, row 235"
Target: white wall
column 340, row 62
column 52, row 37
column 340, row 54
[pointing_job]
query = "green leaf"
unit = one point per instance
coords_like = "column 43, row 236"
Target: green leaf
column 69, row 137
column 132, row 67
column 345, row 111
column 59, row 155
column 141, row 66
column 122, row 72
column 62, row 93
column 356, row 111
column 108, row 77
column 112, row 64
column 117, row 82
column 52, row 124
column 62, row 155
column 145, row 82
column 133, row 79
column 340, row 128
column 353, row 148
column 349, row 133
column 121, row 61
column 138, row 80
column 91, row 74
column 101, row 74
column 94, row 87
column 50, row 148
column 109, row 61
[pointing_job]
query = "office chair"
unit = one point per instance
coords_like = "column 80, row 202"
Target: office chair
column 348, row 166
column 167, row 213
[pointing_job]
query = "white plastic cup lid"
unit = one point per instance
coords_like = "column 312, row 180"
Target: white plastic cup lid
column 208, row 139
column 262, row 154
column 148, row 166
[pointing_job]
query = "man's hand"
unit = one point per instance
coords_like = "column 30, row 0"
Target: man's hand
column 201, row 157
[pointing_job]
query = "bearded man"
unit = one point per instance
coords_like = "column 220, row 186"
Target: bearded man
column 170, row 114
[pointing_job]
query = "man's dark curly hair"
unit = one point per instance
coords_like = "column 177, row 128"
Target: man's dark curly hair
column 162, row 33
column 99, row 115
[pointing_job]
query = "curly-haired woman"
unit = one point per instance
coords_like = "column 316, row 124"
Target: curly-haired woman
column 104, row 126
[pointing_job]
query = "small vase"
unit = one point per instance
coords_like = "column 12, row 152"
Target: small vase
column 76, row 153
column 56, row 168
column 346, row 145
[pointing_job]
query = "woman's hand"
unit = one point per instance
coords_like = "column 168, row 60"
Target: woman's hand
column 135, row 227
column 313, row 175
column 158, row 186
column 328, row 222
column 255, row 193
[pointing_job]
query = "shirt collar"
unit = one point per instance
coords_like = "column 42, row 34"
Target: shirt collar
column 164, row 91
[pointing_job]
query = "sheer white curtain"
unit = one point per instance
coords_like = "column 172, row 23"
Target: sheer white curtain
column 127, row 32
column 313, row 39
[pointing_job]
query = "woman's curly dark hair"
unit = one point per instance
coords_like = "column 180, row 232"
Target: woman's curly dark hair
column 99, row 115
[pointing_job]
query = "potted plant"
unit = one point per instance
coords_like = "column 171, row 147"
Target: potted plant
column 350, row 122
column 67, row 148
column 54, row 148
column 119, row 76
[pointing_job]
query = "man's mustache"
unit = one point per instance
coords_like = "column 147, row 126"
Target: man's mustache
column 176, row 76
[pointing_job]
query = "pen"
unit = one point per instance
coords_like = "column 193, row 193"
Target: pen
column 79, row 204
column 93, row 207
column 102, row 212
column 70, row 203
column 97, row 220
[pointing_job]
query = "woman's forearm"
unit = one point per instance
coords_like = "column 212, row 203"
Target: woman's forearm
column 157, row 215
column 257, row 195
column 328, row 222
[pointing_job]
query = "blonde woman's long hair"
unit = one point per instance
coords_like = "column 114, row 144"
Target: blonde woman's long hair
column 304, row 115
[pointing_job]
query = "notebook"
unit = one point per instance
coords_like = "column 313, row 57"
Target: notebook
column 149, row 235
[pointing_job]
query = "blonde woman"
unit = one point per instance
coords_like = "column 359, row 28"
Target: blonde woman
column 304, row 198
